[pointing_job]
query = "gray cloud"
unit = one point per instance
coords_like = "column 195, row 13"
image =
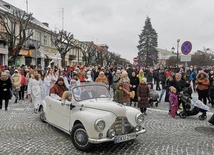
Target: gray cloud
column 118, row 23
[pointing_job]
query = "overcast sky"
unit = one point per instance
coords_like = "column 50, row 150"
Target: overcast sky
column 118, row 23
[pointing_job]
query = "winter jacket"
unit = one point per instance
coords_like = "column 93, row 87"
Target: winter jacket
column 118, row 97
column 143, row 93
column 16, row 80
column 5, row 87
column 202, row 84
column 173, row 99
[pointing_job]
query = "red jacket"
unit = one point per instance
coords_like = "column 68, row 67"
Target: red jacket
column 23, row 81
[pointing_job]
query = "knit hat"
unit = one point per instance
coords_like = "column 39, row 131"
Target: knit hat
column 144, row 79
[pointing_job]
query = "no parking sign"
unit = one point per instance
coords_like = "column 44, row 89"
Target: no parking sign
column 186, row 47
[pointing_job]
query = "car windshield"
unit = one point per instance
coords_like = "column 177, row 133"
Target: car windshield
column 84, row 92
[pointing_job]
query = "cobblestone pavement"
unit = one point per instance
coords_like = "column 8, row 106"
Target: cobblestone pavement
column 21, row 132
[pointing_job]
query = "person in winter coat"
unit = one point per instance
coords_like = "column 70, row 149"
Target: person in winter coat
column 173, row 101
column 35, row 90
column 149, row 77
column 126, row 88
column 141, row 75
column 5, row 87
column 212, row 94
column 116, row 79
column 202, row 82
column 16, row 83
column 23, row 84
column 192, row 77
column 187, row 90
column 143, row 96
column 134, row 82
column 162, row 78
column 102, row 78
column 118, row 97
column 109, row 76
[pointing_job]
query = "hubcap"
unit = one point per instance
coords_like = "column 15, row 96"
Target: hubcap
column 42, row 114
column 81, row 137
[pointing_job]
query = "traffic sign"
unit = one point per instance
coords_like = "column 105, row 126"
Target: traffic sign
column 154, row 57
column 185, row 58
column 186, row 47
column 135, row 59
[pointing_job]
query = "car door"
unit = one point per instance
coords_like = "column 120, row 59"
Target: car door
column 59, row 114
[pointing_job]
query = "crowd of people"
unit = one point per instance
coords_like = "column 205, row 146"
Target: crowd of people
column 131, row 85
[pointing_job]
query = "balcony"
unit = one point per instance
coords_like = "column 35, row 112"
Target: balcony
column 72, row 57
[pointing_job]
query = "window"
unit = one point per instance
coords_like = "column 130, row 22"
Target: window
column 38, row 36
column 2, row 29
column 28, row 60
column 45, row 40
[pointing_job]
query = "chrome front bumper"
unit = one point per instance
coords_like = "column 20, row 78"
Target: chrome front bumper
column 97, row 141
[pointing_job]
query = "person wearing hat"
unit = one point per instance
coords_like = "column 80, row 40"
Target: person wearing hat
column 143, row 96
column 5, row 87
column 58, row 89
column 16, row 83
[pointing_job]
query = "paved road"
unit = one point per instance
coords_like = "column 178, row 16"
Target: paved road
column 21, row 132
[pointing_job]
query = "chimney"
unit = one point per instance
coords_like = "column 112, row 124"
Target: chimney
column 46, row 24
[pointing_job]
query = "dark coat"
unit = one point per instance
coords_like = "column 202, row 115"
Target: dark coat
column 212, row 91
column 149, row 77
column 134, row 81
column 143, row 93
column 5, row 89
column 119, row 93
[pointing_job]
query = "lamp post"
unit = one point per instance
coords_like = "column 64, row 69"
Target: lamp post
column 177, row 50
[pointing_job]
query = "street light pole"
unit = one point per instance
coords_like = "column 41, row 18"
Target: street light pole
column 177, row 50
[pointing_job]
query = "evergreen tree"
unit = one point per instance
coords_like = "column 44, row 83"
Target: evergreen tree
column 147, row 43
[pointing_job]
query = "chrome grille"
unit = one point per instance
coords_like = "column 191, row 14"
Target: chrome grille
column 122, row 126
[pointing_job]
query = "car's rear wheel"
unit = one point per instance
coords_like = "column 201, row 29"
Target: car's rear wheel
column 182, row 114
column 79, row 138
column 42, row 114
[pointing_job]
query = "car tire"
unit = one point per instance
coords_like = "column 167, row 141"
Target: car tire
column 79, row 138
column 182, row 114
column 42, row 114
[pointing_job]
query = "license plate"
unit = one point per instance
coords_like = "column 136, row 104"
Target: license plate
column 123, row 138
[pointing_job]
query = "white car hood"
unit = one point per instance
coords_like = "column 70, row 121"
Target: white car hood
column 106, row 105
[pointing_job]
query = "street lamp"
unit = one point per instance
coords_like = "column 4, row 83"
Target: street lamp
column 177, row 50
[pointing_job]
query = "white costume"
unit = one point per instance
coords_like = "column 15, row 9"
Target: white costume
column 65, row 81
column 48, row 83
column 35, row 90
column 89, row 79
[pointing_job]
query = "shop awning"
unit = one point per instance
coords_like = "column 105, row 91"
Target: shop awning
column 26, row 52
column 30, row 53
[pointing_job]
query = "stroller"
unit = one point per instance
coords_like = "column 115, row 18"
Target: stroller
column 154, row 96
column 192, row 106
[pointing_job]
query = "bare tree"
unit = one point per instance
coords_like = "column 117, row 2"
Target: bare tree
column 63, row 43
column 19, row 29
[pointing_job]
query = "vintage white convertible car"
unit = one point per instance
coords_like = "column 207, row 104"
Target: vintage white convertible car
column 91, row 117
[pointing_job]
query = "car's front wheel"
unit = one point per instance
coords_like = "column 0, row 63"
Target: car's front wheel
column 42, row 114
column 79, row 138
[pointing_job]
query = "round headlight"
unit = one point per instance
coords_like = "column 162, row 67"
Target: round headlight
column 139, row 118
column 99, row 125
